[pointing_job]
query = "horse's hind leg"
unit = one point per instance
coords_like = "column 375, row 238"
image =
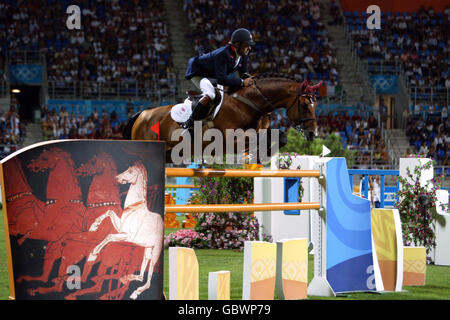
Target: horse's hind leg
column 98, row 282
column 57, row 287
column 51, row 255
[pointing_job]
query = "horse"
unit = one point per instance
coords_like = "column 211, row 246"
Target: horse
column 24, row 209
column 64, row 208
column 137, row 225
column 247, row 108
column 104, row 193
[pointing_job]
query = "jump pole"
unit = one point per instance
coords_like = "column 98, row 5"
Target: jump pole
column 245, row 207
column 186, row 172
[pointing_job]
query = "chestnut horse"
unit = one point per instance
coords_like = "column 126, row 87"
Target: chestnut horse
column 248, row 108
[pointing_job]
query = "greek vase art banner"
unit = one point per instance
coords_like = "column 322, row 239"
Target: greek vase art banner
column 84, row 220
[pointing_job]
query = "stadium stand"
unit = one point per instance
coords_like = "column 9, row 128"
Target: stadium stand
column 121, row 62
column 298, row 46
column 122, row 51
column 119, row 58
column 290, row 37
column 416, row 46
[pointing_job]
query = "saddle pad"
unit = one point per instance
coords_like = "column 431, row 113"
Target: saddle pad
column 182, row 111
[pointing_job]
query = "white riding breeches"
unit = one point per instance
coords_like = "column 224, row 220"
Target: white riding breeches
column 205, row 86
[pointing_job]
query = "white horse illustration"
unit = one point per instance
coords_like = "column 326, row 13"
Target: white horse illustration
column 137, row 225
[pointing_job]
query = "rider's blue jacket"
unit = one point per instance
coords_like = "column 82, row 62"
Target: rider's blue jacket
column 218, row 64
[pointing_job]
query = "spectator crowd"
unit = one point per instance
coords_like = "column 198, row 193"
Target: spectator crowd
column 98, row 125
column 290, row 37
column 126, row 42
column 429, row 135
column 417, row 41
column 121, row 41
column 11, row 130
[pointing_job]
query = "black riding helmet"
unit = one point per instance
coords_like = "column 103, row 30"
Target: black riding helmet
column 242, row 35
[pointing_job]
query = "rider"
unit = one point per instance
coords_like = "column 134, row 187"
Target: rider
column 216, row 67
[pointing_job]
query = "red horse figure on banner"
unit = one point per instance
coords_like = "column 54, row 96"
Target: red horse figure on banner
column 64, row 208
column 137, row 225
column 103, row 192
column 25, row 211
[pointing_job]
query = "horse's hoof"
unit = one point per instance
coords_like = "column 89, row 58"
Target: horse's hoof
column 93, row 227
column 134, row 295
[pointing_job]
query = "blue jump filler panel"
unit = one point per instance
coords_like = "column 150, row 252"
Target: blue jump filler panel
column 349, row 260
column 291, row 186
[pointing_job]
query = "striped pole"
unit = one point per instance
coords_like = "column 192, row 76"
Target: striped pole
column 186, row 172
column 246, row 207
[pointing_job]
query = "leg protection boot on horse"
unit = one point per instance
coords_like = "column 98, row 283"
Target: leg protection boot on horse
column 200, row 110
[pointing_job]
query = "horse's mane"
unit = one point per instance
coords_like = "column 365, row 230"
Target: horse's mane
column 275, row 76
column 140, row 164
column 106, row 157
column 64, row 154
column 304, row 85
column 105, row 160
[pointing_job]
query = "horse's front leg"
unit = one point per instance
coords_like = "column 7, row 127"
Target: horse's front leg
column 109, row 238
column 114, row 219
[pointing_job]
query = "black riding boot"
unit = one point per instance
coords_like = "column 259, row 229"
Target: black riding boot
column 198, row 112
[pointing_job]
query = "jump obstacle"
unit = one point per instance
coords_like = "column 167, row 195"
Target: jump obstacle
column 356, row 259
column 342, row 224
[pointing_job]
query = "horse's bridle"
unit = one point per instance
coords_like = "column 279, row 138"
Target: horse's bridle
column 296, row 101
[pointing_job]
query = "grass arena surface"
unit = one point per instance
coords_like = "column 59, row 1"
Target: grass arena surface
column 437, row 277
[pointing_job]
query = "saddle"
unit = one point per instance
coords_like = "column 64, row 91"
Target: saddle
column 194, row 96
column 181, row 111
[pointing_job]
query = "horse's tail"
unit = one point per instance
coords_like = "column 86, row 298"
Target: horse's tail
column 126, row 133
